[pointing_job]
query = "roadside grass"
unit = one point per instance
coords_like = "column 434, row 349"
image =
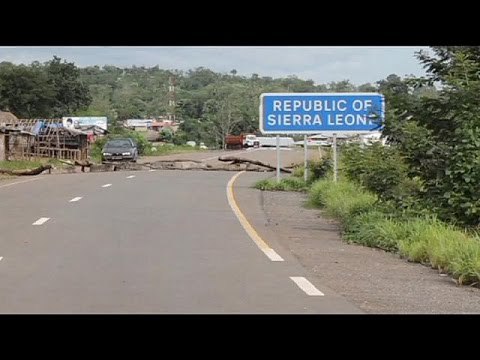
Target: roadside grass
column 298, row 171
column 285, row 184
column 423, row 239
column 372, row 228
column 20, row 164
column 342, row 200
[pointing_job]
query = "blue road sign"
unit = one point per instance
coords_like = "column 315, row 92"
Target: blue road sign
column 313, row 113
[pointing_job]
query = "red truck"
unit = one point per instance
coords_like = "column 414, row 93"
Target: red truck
column 241, row 141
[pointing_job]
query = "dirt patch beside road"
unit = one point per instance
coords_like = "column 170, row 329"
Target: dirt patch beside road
column 374, row 280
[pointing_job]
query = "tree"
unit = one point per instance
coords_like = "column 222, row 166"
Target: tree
column 439, row 135
column 341, row 86
column 222, row 116
column 70, row 93
column 367, row 88
column 439, row 64
column 25, row 91
column 400, row 104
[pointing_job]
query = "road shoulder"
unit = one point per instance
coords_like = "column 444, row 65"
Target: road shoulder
column 374, row 280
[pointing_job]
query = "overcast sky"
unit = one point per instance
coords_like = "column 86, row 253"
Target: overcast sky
column 320, row 64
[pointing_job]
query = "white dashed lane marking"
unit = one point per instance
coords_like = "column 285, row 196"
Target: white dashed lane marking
column 76, row 199
column 130, row 177
column 106, row 185
column 306, row 286
column 41, row 221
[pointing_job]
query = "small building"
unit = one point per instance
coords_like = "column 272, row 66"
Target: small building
column 15, row 143
column 93, row 132
column 43, row 138
column 7, row 118
column 138, row 124
column 165, row 124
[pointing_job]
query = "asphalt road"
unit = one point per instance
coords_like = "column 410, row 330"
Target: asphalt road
column 267, row 155
column 164, row 242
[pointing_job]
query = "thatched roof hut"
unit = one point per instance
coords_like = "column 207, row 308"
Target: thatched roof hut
column 7, row 118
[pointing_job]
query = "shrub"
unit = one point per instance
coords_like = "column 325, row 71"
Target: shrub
column 378, row 168
column 319, row 169
column 342, row 199
column 298, row 172
column 286, row 184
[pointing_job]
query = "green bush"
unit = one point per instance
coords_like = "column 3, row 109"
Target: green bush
column 342, row 199
column 167, row 135
column 378, row 168
column 285, row 184
column 299, row 172
column 319, row 169
column 319, row 191
column 180, row 138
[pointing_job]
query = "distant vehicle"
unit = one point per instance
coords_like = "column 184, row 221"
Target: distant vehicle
column 191, row 143
column 313, row 142
column 251, row 141
column 272, row 141
column 241, row 141
column 119, row 150
column 203, row 146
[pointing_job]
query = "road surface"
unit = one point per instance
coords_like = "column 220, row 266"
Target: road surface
column 162, row 242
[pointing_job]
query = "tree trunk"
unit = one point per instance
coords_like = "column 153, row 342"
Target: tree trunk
column 36, row 171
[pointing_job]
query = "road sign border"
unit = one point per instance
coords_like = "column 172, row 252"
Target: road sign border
column 311, row 132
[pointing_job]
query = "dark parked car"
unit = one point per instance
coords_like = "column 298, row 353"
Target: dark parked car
column 120, row 149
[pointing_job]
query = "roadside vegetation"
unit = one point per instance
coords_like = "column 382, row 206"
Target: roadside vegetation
column 285, row 184
column 419, row 196
column 19, row 164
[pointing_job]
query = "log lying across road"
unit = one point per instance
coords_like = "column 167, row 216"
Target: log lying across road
column 35, row 171
column 235, row 164
column 176, row 160
column 236, row 160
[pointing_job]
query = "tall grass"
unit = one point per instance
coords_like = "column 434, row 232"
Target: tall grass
column 422, row 239
column 285, row 184
column 19, row 164
column 342, row 200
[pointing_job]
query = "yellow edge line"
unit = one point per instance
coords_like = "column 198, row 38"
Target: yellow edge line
column 271, row 254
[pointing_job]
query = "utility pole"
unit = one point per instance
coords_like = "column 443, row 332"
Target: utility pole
column 172, row 98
